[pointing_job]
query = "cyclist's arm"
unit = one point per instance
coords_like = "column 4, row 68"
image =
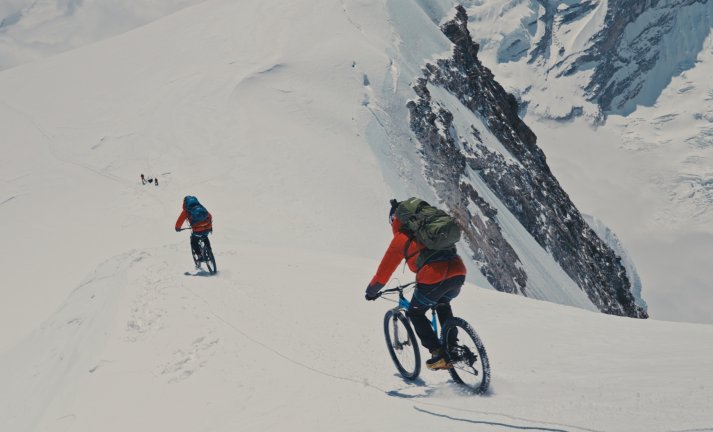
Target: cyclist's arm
column 181, row 218
column 391, row 260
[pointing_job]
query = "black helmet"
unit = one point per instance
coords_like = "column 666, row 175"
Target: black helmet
column 392, row 211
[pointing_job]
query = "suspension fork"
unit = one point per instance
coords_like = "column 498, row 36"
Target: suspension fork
column 403, row 305
column 395, row 328
column 434, row 322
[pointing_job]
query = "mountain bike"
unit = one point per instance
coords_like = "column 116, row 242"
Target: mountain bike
column 205, row 253
column 460, row 343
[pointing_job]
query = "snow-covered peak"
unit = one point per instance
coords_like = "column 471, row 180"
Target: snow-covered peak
column 592, row 57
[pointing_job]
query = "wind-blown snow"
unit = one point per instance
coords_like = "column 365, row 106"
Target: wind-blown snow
column 105, row 324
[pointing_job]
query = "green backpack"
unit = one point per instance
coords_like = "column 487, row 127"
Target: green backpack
column 432, row 227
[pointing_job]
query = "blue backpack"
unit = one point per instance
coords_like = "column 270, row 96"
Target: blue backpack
column 196, row 212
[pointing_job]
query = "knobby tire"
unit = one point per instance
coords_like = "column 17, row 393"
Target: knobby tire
column 471, row 367
column 402, row 344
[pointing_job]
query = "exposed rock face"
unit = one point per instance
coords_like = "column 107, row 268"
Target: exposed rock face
column 445, row 166
column 610, row 238
column 522, row 181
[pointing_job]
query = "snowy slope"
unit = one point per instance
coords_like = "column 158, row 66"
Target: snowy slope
column 107, row 326
column 200, row 122
column 150, row 107
column 34, row 29
column 142, row 346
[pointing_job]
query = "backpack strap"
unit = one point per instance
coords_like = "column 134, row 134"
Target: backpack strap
column 406, row 255
column 406, row 246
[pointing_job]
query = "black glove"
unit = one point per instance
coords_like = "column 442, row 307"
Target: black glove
column 178, row 230
column 372, row 291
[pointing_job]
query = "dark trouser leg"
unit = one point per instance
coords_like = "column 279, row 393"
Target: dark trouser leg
column 422, row 326
column 444, row 312
column 194, row 246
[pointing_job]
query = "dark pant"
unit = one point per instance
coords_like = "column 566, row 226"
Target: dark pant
column 194, row 242
column 424, row 298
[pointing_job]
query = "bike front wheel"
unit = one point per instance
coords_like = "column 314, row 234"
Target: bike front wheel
column 466, row 351
column 402, row 344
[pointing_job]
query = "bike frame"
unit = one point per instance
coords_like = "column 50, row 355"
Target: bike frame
column 404, row 304
column 201, row 238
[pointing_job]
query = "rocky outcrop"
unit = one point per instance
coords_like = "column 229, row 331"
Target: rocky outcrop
column 524, row 185
column 445, row 165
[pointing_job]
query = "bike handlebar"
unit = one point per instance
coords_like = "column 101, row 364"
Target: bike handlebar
column 399, row 288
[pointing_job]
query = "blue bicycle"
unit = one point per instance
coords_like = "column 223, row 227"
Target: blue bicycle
column 463, row 348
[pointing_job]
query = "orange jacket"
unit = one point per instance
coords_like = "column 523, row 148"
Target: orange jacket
column 431, row 273
column 205, row 225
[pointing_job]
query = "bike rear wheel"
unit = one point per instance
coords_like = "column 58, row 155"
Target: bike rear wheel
column 209, row 258
column 402, row 344
column 471, row 367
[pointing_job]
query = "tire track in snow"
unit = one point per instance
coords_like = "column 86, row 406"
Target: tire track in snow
column 490, row 423
column 8, row 200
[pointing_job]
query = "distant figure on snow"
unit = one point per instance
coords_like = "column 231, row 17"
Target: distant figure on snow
column 156, row 183
column 143, row 179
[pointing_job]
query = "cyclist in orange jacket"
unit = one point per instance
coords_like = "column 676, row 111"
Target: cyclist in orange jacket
column 199, row 218
column 437, row 283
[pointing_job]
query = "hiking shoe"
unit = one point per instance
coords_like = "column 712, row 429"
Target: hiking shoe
column 438, row 361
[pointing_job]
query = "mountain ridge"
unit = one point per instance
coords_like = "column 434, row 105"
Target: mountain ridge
column 528, row 188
